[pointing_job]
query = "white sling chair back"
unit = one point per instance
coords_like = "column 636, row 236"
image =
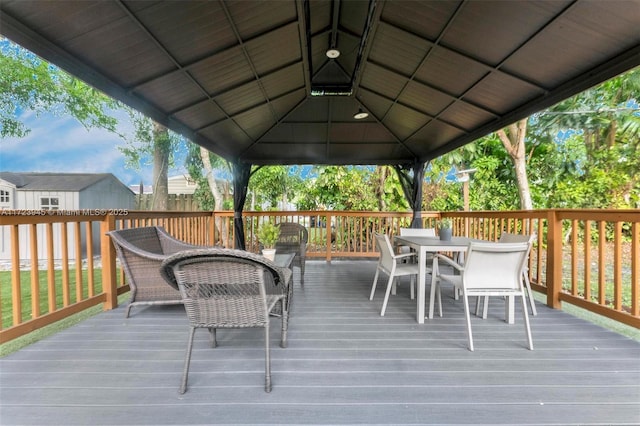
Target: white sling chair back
column 415, row 232
column 519, row 238
column 491, row 269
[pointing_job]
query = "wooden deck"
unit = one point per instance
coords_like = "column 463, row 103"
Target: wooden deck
column 344, row 365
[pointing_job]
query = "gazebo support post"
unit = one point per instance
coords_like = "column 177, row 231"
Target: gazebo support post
column 241, row 176
column 411, row 177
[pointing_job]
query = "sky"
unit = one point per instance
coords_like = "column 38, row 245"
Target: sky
column 62, row 144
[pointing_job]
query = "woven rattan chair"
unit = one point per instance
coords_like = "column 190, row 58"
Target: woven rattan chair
column 141, row 252
column 225, row 288
column 293, row 239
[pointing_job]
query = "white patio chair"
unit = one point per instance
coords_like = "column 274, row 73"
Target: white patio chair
column 390, row 265
column 514, row 238
column 415, row 232
column 490, row 269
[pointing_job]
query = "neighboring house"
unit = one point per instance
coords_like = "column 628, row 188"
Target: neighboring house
column 141, row 189
column 177, row 185
column 181, row 184
column 59, row 191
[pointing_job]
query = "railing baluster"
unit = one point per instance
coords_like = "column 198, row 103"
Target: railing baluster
column 587, row 260
column 16, row 286
column 51, row 273
column 78, row 254
column 35, row 272
column 91, row 285
column 602, row 241
column 617, row 267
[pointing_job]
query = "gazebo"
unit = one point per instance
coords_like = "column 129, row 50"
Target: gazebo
column 333, row 82
column 328, row 82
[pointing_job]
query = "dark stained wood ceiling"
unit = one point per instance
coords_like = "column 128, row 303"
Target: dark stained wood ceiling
column 251, row 81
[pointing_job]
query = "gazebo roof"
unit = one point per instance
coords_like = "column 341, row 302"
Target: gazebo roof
column 251, row 81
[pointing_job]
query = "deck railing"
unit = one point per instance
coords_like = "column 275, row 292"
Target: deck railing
column 58, row 263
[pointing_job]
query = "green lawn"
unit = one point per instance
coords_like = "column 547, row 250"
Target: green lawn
column 25, row 288
column 25, row 281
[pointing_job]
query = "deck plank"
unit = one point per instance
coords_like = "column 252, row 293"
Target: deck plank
column 345, row 364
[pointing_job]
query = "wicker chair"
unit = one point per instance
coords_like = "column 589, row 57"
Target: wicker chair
column 225, row 288
column 293, row 239
column 141, row 252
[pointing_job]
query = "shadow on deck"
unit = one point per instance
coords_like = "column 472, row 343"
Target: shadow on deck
column 344, row 365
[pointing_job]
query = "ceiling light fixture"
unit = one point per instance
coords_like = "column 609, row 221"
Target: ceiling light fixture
column 333, row 53
column 360, row 114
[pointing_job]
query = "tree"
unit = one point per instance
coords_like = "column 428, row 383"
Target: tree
column 512, row 139
column 156, row 141
column 273, row 185
column 602, row 125
column 29, row 83
column 387, row 190
column 212, row 174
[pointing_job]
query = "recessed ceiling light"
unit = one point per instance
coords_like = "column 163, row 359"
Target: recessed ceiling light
column 333, row 53
column 360, row 114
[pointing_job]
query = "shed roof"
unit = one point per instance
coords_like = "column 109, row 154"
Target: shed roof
column 67, row 182
column 251, row 81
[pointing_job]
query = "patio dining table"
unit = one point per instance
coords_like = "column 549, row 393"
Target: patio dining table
column 424, row 245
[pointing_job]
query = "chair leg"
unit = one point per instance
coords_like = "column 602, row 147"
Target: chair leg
column 302, row 261
column 285, row 324
column 467, row 315
column 413, row 287
column 375, row 283
column 529, row 294
column 386, row 295
column 187, row 361
column 267, row 366
column 526, row 322
column 212, row 337
column 128, row 311
column 439, row 296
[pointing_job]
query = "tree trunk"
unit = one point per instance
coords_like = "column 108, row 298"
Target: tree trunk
column 218, row 198
column 382, row 176
column 513, row 142
column 161, row 148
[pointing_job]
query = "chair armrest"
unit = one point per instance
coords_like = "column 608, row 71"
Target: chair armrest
column 404, row 255
column 450, row 262
column 171, row 245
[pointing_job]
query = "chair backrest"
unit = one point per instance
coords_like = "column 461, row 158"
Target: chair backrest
column 494, row 265
column 507, row 237
column 387, row 259
column 292, row 234
column 518, row 238
column 143, row 238
column 277, row 275
column 223, row 291
column 418, row 232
